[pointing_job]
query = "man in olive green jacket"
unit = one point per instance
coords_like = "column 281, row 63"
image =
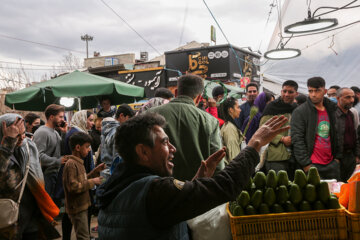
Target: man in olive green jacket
column 278, row 152
column 194, row 132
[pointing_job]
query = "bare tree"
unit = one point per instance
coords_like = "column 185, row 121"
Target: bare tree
column 71, row 62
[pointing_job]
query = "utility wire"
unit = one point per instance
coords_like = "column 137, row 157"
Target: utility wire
column 217, row 23
column 42, row 69
column 122, row 19
column 312, row 44
column 267, row 21
column 39, row 43
column 184, row 21
column 334, row 9
column 279, row 17
column 308, row 34
column 32, row 64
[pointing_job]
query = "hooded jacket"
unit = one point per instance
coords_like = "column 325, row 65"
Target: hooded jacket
column 107, row 146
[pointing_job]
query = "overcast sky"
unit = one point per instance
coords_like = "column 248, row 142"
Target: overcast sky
column 160, row 22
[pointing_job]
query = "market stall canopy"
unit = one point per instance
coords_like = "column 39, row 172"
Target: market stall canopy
column 235, row 92
column 88, row 87
column 333, row 55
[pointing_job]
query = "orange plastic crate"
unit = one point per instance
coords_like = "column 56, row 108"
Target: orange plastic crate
column 353, row 224
column 323, row 224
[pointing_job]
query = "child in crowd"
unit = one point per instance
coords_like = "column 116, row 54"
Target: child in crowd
column 77, row 184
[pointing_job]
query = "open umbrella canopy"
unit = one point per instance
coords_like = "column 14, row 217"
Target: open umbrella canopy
column 85, row 86
column 235, row 92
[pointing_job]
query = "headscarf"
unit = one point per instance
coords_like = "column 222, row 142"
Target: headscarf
column 79, row 121
column 35, row 179
column 260, row 101
column 260, row 104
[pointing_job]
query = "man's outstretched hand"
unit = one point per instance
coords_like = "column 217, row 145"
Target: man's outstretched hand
column 267, row 132
column 207, row 167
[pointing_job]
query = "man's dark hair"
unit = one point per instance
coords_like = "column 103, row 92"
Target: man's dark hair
column 53, row 110
column 137, row 130
column 252, row 84
column 336, row 87
column 163, row 93
column 316, row 82
column 190, row 85
column 79, row 138
column 300, row 99
column 31, row 117
column 217, row 91
column 126, row 110
column 355, row 89
column 102, row 98
column 291, row 83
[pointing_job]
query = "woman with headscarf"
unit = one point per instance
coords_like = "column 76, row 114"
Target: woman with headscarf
column 230, row 134
column 251, row 123
column 37, row 210
column 82, row 121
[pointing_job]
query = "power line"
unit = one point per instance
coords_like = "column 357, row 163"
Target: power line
column 40, row 69
column 332, row 29
column 122, row 19
column 217, row 23
column 184, row 20
column 39, row 43
column 31, row 64
column 272, row 5
column 312, row 44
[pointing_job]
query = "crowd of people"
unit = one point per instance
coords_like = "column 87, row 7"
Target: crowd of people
column 146, row 173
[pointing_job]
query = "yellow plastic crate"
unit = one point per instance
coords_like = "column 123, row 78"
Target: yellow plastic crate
column 323, row 224
column 353, row 224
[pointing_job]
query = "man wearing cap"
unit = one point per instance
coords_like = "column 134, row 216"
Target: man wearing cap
column 218, row 93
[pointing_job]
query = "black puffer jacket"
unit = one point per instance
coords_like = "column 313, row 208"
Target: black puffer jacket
column 303, row 130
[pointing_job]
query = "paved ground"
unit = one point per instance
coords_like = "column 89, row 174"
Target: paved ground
column 93, row 224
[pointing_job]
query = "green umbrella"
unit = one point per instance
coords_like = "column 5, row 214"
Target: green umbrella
column 235, row 92
column 84, row 86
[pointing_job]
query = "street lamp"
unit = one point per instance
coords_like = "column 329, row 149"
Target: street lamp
column 87, row 38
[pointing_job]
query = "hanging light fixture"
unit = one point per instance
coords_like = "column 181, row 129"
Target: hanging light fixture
column 282, row 53
column 310, row 24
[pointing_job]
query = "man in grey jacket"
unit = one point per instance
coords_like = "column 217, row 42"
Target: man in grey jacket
column 48, row 142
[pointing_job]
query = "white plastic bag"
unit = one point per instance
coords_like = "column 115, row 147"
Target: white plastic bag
column 212, row 225
column 262, row 158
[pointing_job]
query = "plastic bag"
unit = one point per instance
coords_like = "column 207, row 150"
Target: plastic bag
column 212, row 225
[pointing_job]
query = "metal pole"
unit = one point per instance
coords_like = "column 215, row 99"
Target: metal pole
column 79, row 103
column 87, row 38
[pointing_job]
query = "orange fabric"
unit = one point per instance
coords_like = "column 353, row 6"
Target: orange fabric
column 354, row 197
column 337, row 194
column 344, row 195
column 46, row 205
column 355, row 178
